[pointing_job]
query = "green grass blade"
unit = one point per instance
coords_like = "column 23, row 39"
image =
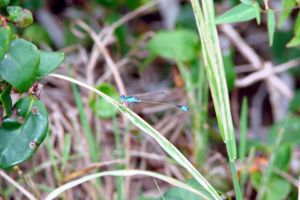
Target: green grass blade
column 55, row 193
column 243, row 130
column 205, row 21
column 162, row 141
column 92, row 146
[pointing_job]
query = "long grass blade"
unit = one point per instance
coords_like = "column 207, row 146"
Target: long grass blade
column 162, row 141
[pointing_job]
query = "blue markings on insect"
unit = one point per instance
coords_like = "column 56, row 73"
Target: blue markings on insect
column 183, row 108
column 132, row 99
column 129, row 99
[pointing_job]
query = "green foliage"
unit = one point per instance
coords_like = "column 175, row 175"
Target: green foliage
column 36, row 34
column 291, row 126
column 24, row 126
column 295, row 102
column 184, row 49
column 5, row 36
column 49, row 61
column 20, row 65
column 271, row 25
column 283, row 157
column 229, row 69
column 177, row 193
column 4, row 3
column 100, row 106
column 240, row 13
column 277, row 188
column 20, row 140
column 287, row 8
column 5, row 99
column 108, row 3
column 21, row 17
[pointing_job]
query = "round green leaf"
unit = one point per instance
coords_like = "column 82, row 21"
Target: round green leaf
column 22, row 134
column 180, row 45
column 20, row 65
column 49, row 61
column 4, row 3
column 99, row 106
column 5, row 35
column 21, row 17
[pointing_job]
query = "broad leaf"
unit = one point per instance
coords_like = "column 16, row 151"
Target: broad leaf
column 271, row 25
column 291, row 127
column 276, row 189
column 22, row 134
column 5, row 34
column 49, row 61
column 5, row 100
column 20, row 65
column 283, row 157
column 239, row 13
column 180, row 45
column 100, row 106
column 177, row 193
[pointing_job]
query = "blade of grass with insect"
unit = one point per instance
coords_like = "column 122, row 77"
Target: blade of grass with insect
column 243, row 137
column 213, row 62
column 58, row 191
column 144, row 126
column 268, row 171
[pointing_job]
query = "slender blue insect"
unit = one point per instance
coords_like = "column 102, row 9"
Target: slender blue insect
column 134, row 100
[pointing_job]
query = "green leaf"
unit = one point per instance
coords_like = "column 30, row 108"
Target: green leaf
column 21, row 17
column 239, row 13
column 20, row 65
column 180, row 45
column 291, row 126
column 4, row 3
column 49, row 61
column 20, row 141
column 108, row 3
column 283, row 157
column 229, row 69
column 101, row 107
column 277, row 188
column 271, row 25
column 287, row 7
column 297, row 25
column 177, row 193
column 295, row 41
column 5, row 100
column 37, row 34
column 257, row 12
column 5, row 38
column 295, row 103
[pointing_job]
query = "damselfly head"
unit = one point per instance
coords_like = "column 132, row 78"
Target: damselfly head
column 122, row 97
column 183, row 108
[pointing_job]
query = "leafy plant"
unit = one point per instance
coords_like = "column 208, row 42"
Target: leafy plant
column 24, row 124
